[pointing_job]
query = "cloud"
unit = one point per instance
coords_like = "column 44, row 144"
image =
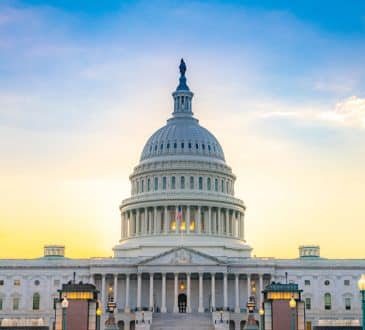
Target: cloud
column 349, row 112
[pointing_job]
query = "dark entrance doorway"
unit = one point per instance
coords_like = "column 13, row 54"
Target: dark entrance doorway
column 182, row 302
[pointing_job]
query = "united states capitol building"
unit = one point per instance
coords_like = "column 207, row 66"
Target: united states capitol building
column 183, row 248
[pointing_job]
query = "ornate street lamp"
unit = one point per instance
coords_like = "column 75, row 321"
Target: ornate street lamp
column 262, row 318
column 293, row 307
column 98, row 316
column 64, row 305
column 361, row 285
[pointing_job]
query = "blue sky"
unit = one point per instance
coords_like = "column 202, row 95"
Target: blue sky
column 282, row 80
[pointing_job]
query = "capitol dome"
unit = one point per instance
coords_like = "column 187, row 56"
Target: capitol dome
column 182, row 136
column 182, row 191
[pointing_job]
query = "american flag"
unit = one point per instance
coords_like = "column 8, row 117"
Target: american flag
column 179, row 214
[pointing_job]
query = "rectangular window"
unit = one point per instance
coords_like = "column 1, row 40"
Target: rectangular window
column 16, row 282
column 308, row 303
column 156, row 184
column 191, row 182
column 1, row 304
column 200, row 183
column 164, row 183
column 307, row 282
column 142, row 185
column 15, row 303
column 346, row 282
column 182, row 182
column 173, row 182
column 149, row 185
column 1, row 282
column 348, row 304
column 216, row 184
column 222, row 186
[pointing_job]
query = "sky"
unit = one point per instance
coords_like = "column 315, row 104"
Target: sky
column 83, row 84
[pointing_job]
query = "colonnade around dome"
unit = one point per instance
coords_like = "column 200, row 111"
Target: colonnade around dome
column 183, row 219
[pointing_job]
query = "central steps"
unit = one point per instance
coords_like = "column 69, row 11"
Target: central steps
column 182, row 321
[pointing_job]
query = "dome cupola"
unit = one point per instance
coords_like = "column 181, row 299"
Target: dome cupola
column 182, row 135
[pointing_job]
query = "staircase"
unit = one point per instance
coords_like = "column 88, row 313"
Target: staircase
column 182, row 321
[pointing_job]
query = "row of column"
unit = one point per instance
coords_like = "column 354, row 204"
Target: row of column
column 188, row 291
column 168, row 219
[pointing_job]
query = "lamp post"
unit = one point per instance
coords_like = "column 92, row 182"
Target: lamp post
column 293, row 306
column 361, row 285
column 98, row 316
column 262, row 318
column 64, row 305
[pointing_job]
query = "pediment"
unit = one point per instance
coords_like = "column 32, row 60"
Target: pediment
column 182, row 256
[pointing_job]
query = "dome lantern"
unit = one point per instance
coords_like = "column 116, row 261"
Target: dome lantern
column 182, row 96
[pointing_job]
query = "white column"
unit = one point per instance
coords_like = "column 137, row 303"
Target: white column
column 261, row 283
column 225, row 293
column 139, row 291
column 138, row 223
column 151, row 291
column 166, row 224
column 176, row 222
column 226, row 220
column 237, row 294
column 209, row 220
column 126, row 308
column 103, row 291
column 219, row 221
column 115, row 288
column 248, row 286
column 155, row 220
column 145, row 220
column 213, row 292
column 122, row 230
column 188, row 219
column 163, row 298
column 188, row 298
column 176, row 307
column 201, row 307
column 199, row 220
column 242, row 234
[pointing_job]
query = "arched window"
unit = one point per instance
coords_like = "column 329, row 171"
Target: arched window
column 191, row 182
column 182, row 182
column 327, row 301
column 209, row 184
column 173, row 182
column 156, row 183
column 189, row 145
column 200, row 183
column 36, row 301
column 216, row 184
column 348, row 303
column 164, row 183
column 148, row 184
